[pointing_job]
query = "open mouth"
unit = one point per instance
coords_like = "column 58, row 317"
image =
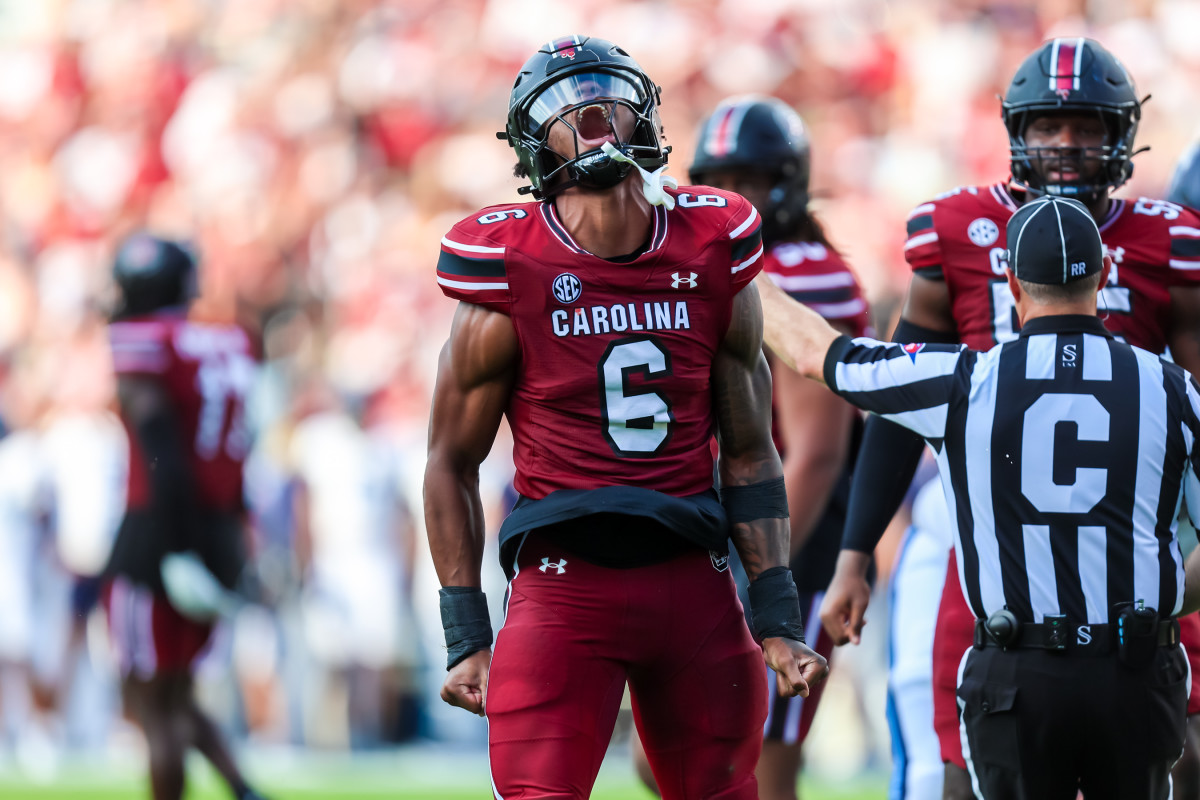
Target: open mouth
column 594, row 124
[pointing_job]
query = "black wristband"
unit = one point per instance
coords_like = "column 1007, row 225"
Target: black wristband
column 466, row 622
column 763, row 500
column 775, row 606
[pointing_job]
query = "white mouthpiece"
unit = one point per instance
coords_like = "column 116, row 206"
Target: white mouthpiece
column 652, row 182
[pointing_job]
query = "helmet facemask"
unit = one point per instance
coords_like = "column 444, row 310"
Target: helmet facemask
column 591, row 106
column 1072, row 76
column 1097, row 169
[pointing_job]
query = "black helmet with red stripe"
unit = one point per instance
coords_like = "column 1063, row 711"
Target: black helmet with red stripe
column 1073, row 76
column 581, row 81
column 761, row 134
column 152, row 273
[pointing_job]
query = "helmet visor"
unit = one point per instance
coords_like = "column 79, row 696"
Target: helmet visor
column 580, row 88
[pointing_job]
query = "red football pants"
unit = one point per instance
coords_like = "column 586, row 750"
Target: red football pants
column 574, row 633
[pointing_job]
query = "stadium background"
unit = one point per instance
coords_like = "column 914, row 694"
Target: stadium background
column 314, row 152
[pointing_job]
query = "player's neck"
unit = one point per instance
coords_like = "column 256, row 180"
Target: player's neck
column 1100, row 208
column 608, row 223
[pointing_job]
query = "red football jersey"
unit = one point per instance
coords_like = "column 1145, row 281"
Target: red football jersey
column 614, row 386
column 1154, row 245
column 817, row 276
column 207, row 370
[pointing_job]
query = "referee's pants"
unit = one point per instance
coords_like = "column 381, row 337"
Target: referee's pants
column 1040, row 725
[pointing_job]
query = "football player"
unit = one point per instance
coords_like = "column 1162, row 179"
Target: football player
column 758, row 147
column 614, row 322
column 182, row 388
column 1071, row 112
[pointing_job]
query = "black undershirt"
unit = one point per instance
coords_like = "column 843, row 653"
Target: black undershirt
column 617, row 541
column 625, row 259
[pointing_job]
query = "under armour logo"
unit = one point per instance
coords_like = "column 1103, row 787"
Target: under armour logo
column 678, row 280
column 561, row 566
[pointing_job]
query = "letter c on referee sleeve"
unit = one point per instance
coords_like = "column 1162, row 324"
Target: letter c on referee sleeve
column 1037, row 465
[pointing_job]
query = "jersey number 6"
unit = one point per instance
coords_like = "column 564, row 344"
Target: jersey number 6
column 637, row 424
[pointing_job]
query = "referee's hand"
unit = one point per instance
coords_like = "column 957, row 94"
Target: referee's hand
column 466, row 685
column 797, row 667
column 845, row 606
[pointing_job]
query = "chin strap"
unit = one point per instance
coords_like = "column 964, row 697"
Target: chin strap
column 653, row 183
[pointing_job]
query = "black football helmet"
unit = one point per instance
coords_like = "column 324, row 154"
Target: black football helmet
column 1073, row 75
column 759, row 134
column 152, row 273
column 565, row 76
column 1185, row 181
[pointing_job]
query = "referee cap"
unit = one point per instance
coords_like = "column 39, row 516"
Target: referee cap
column 1054, row 240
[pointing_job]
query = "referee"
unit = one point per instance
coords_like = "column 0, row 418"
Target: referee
column 1064, row 456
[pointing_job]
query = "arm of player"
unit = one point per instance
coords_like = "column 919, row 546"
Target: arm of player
column 147, row 408
column 1184, row 336
column 475, row 375
column 742, row 401
column 814, row 425
column 887, row 461
column 1191, row 585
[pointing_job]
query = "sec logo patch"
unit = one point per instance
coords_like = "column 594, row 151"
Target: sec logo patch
column 567, row 288
column 983, row 232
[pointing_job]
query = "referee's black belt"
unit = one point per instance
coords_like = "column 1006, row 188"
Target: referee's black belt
column 1084, row 640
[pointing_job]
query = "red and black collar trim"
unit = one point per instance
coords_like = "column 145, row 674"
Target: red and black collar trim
column 550, row 216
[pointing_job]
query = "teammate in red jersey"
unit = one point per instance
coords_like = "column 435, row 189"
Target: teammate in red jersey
column 182, row 388
column 615, row 324
column 1071, row 112
column 758, row 147
column 1184, row 190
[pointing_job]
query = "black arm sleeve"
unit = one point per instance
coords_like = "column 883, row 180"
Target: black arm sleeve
column 172, row 487
column 886, row 463
column 167, row 523
column 171, row 474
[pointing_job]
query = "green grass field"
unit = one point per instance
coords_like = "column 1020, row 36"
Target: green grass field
column 132, row 790
column 316, row 777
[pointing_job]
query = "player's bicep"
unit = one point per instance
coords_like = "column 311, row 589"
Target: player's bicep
column 741, row 382
column 928, row 304
column 475, row 375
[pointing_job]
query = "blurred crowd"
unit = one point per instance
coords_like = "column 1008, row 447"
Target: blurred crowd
column 314, row 152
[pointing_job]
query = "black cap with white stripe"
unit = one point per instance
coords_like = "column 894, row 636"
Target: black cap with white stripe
column 1054, row 240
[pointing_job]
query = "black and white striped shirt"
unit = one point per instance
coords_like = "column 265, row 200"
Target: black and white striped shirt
column 1064, row 456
